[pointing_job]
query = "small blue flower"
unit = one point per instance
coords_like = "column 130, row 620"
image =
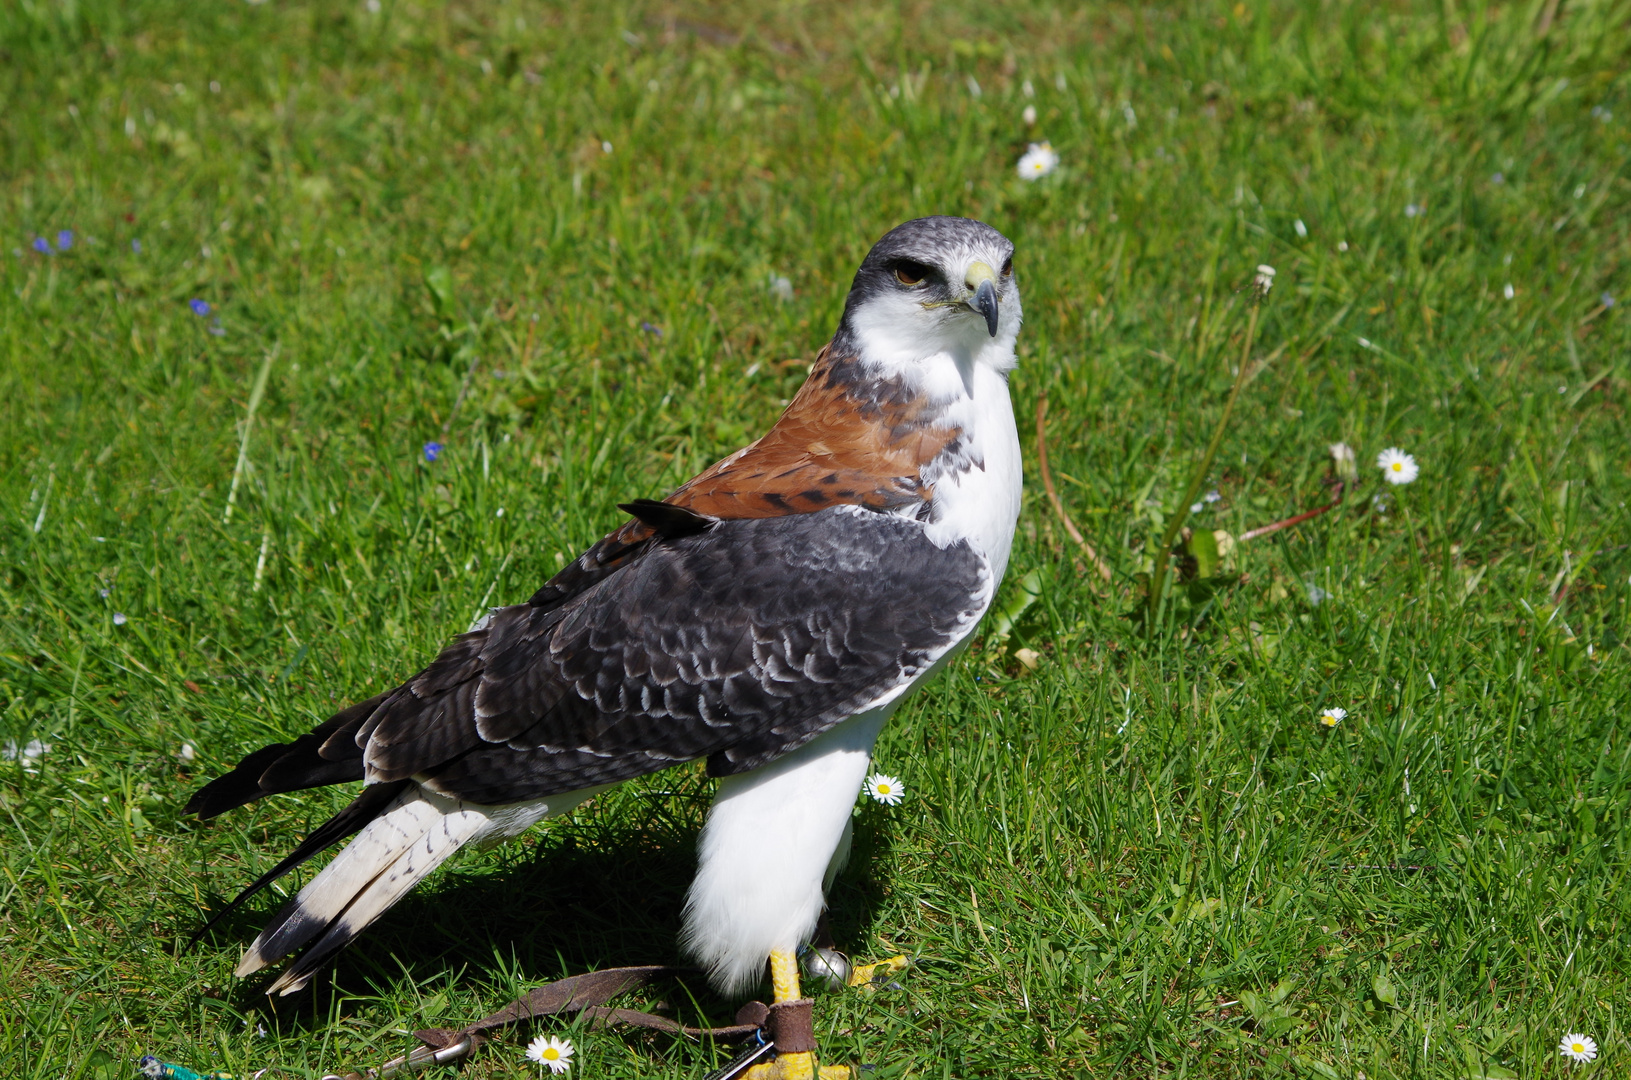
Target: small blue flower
column 1607, row 299
column 653, row 330
column 433, row 450
column 136, row 246
column 200, row 308
column 65, row 239
column 41, row 245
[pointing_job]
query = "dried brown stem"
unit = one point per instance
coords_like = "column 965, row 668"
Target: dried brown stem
column 1053, row 495
column 1286, row 523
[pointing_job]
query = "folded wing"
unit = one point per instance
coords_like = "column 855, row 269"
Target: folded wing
column 737, row 642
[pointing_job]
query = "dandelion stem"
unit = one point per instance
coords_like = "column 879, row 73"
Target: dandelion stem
column 255, row 394
column 1053, row 495
column 1163, row 554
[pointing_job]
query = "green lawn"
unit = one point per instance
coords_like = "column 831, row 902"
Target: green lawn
column 546, row 236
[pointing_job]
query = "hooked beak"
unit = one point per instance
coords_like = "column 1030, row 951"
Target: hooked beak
column 983, row 281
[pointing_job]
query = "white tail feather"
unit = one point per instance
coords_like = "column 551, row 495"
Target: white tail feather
column 387, row 858
column 390, row 855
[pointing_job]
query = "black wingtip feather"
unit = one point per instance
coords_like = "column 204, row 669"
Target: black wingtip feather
column 290, row 766
column 349, row 821
column 238, row 787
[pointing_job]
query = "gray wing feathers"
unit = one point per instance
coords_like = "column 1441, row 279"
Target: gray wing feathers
column 737, row 643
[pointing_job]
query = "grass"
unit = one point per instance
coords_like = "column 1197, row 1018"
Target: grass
column 1147, row 858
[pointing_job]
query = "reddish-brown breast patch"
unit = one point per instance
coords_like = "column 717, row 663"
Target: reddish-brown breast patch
column 843, row 439
column 846, row 438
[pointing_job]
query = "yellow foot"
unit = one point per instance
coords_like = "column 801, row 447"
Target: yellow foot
column 800, row 1064
column 872, row 976
column 798, row 1067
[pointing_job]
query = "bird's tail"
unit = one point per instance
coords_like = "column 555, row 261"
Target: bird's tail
column 410, row 838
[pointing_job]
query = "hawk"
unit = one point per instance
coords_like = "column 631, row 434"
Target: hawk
column 767, row 616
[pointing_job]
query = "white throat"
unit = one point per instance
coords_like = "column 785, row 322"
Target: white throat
column 977, row 488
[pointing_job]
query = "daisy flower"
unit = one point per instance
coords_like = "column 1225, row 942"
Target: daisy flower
column 552, row 1053
column 1578, row 1048
column 1038, row 161
column 1397, row 466
column 1333, row 716
column 885, row 789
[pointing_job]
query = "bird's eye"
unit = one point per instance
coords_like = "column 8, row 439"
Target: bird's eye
column 1008, row 266
column 908, row 274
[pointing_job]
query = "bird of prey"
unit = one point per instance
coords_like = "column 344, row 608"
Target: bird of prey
column 767, row 616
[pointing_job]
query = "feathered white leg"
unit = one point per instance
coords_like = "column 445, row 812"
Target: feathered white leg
column 770, row 838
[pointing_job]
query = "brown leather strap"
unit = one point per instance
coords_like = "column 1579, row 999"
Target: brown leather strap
column 587, row 995
column 791, row 1026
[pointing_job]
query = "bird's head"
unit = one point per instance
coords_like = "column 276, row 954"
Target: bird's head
column 930, row 287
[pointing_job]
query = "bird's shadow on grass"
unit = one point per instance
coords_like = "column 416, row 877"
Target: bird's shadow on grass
column 583, row 894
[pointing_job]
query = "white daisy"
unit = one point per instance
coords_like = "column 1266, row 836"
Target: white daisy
column 1397, row 466
column 885, row 789
column 1038, row 161
column 1333, row 716
column 1029, row 116
column 1578, row 1048
column 552, row 1053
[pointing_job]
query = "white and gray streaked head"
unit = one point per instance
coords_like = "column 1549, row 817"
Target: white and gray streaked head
column 931, row 286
